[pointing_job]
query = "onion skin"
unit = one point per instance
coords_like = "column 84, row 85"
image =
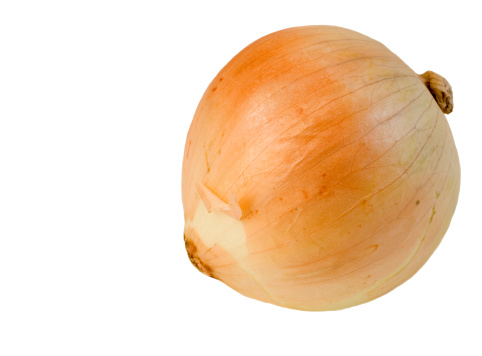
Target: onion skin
column 319, row 171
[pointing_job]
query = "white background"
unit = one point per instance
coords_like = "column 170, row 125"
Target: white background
column 96, row 98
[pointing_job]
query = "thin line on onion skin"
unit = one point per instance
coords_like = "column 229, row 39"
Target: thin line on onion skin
column 303, row 77
column 335, row 81
column 356, row 204
column 253, row 275
column 441, row 153
column 304, row 47
column 283, row 44
column 387, row 254
column 412, row 257
column 310, row 60
column 325, row 129
column 442, row 146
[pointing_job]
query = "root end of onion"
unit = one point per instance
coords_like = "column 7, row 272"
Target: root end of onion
column 192, row 253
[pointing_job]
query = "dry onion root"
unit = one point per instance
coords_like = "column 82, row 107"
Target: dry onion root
column 319, row 170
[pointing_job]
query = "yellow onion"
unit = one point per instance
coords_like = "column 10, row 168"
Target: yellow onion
column 319, row 170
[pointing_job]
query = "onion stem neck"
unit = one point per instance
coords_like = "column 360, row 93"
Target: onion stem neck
column 440, row 89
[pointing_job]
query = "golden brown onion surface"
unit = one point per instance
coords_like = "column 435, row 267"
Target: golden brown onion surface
column 319, row 170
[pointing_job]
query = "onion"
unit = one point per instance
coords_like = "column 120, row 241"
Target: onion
column 319, row 170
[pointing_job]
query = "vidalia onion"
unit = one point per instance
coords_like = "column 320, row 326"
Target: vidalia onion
column 319, row 170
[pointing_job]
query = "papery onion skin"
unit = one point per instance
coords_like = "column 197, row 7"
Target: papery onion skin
column 319, row 171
